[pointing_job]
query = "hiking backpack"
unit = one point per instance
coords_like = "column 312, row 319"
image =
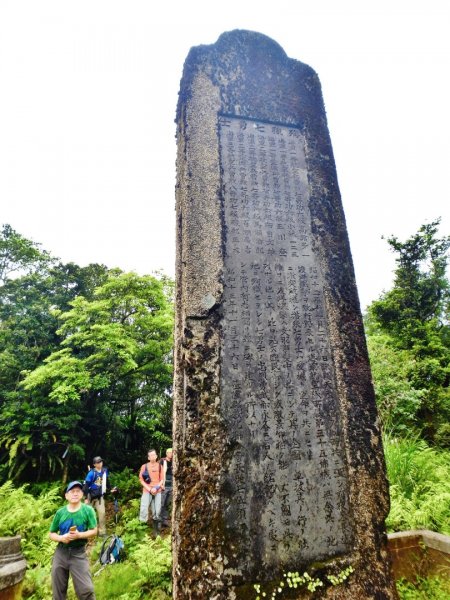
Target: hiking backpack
column 112, row 550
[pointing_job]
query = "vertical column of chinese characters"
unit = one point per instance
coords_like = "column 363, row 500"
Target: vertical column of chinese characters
column 266, row 429
column 332, row 472
column 300, row 415
column 270, row 363
column 248, row 210
column 240, row 219
column 295, row 158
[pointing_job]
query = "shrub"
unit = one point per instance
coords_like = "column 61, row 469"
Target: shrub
column 145, row 575
column 431, row 588
column 155, row 565
column 128, row 483
column 24, row 514
column 37, row 583
column 419, row 478
column 398, row 401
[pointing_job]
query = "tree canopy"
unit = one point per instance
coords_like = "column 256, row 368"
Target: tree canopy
column 18, row 254
column 409, row 325
column 85, row 368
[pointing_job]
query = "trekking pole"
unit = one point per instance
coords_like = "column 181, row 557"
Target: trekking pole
column 116, row 510
column 115, row 493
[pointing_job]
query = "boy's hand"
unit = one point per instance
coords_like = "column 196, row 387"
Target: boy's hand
column 67, row 537
column 74, row 535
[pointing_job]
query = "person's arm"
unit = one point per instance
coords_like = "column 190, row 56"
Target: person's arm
column 141, row 479
column 162, row 483
column 56, row 537
column 72, row 535
column 164, row 472
column 87, row 485
column 82, row 535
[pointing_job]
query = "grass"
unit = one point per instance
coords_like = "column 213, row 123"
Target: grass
column 431, row 588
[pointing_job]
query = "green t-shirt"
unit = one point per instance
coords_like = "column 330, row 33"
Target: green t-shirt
column 84, row 518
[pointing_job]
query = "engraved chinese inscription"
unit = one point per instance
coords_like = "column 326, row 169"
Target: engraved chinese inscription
column 287, row 479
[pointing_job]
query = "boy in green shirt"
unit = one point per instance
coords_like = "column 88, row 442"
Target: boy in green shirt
column 71, row 527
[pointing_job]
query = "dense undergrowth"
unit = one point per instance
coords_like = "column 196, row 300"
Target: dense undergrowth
column 431, row 588
column 419, row 478
column 145, row 572
column 420, row 499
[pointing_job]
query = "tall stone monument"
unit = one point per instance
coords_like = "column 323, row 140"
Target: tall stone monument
column 278, row 458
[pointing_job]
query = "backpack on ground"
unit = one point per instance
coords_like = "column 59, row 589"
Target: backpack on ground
column 112, row 551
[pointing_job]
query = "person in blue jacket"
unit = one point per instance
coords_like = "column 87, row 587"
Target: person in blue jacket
column 95, row 486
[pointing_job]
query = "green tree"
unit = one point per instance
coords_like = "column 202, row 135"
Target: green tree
column 399, row 402
column 112, row 372
column 28, row 323
column 95, row 345
column 414, row 315
column 419, row 302
column 28, row 334
column 19, row 255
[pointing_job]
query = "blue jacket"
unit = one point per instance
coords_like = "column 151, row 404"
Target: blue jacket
column 93, row 482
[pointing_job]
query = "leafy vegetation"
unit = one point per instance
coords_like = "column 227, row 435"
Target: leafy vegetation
column 409, row 332
column 408, row 335
column 85, row 369
column 419, row 478
column 112, row 367
column 24, row 514
column 85, row 364
column 430, row 588
column 293, row 580
column 146, row 573
column 17, row 254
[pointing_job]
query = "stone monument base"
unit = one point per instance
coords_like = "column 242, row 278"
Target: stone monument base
column 12, row 568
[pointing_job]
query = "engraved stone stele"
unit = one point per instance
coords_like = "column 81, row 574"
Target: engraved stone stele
column 278, row 458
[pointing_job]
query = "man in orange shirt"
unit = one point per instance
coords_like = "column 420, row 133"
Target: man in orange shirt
column 151, row 476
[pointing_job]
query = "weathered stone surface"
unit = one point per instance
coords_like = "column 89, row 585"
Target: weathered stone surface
column 278, row 459
column 12, row 568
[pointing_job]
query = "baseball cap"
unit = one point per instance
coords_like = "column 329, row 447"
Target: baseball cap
column 97, row 459
column 73, row 484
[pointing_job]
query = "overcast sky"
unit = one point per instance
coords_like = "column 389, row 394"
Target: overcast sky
column 87, row 106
